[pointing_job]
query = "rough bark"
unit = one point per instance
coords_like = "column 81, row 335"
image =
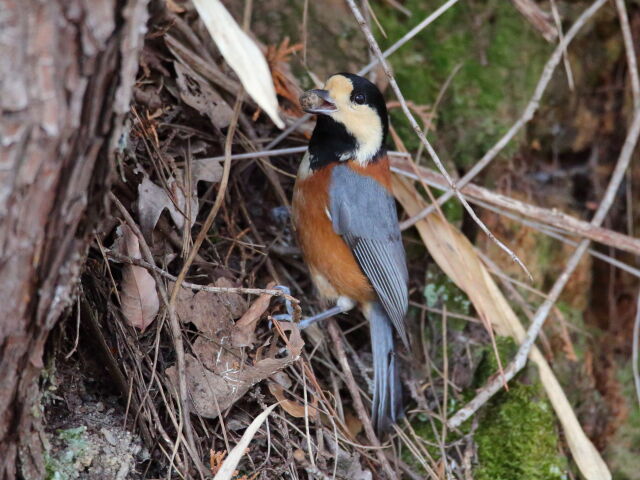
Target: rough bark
column 67, row 68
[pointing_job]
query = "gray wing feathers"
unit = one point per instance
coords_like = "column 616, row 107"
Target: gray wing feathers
column 364, row 213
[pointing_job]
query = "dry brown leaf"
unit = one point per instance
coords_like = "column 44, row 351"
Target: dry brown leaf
column 278, row 58
column 292, row 407
column 153, row 199
column 215, row 460
column 243, row 334
column 217, row 377
column 138, row 295
column 209, row 393
column 348, row 463
column 242, row 54
column 455, row 255
column 198, row 94
column 212, row 313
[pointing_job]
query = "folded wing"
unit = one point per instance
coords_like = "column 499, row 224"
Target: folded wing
column 364, row 213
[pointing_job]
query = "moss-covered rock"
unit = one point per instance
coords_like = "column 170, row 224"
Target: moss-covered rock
column 516, row 437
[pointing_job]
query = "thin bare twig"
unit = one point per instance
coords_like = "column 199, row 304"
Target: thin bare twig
column 565, row 56
column 414, row 124
column 632, row 61
column 409, row 35
column 527, row 115
column 634, row 351
column 541, row 314
column 194, row 286
column 537, row 18
column 547, row 216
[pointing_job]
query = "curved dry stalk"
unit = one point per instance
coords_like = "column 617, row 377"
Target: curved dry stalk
column 414, row 124
column 527, row 115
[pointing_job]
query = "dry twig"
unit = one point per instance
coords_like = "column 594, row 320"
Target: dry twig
column 635, row 348
column 552, row 217
column 177, row 340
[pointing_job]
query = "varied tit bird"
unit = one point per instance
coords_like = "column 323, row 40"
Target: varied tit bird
column 347, row 225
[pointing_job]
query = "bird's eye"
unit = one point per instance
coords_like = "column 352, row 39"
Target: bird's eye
column 359, row 99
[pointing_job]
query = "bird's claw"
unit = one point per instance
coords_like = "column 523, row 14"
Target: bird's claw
column 284, row 317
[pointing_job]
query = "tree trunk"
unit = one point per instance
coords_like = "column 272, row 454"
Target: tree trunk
column 67, row 68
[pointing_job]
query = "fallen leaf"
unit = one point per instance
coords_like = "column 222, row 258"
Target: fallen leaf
column 215, row 460
column 292, row 407
column 229, row 466
column 209, row 393
column 219, row 375
column 455, row 255
column 211, row 312
column 198, row 94
column 348, row 465
column 153, row 199
column 138, row 296
column 278, row 58
column 243, row 334
column 242, row 54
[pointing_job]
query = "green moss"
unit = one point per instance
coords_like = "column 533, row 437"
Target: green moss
column 69, row 461
column 500, row 56
column 517, row 438
column 440, row 291
column 488, row 366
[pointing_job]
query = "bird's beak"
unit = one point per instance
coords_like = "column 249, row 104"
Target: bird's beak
column 318, row 102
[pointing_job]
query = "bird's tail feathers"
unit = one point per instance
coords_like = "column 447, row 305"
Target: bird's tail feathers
column 387, row 391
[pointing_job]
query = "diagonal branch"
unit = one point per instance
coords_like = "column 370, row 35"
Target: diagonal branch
column 552, row 217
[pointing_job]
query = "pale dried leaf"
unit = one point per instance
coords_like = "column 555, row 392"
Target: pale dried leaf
column 138, row 296
column 153, row 199
column 209, row 393
column 348, row 464
column 453, row 252
column 212, row 313
column 217, row 376
column 229, row 466
column 242, row 54
column 206, row 170
column 292, row 407
column 198, row 94
column 244, row 330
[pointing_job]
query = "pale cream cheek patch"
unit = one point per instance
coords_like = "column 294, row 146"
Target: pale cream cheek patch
column 361, row 121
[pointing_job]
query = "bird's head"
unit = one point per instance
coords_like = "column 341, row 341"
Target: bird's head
column 352, row 120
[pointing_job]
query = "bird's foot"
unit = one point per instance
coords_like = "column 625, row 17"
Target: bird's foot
column 343, row 305
column 288, row 316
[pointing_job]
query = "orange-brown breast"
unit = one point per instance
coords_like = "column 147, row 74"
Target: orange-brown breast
column 333, row 266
